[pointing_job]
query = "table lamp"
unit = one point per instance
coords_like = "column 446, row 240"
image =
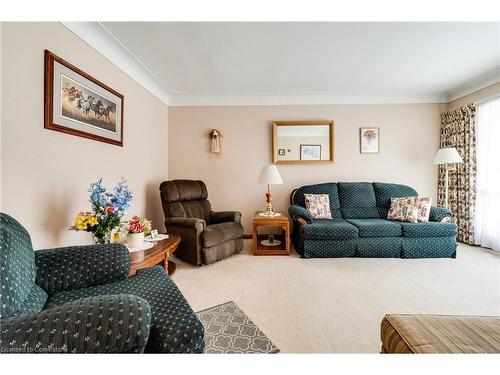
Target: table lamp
column 269, row 175
column 448, row 155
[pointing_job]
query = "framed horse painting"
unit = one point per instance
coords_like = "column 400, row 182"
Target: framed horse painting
column 77, row 103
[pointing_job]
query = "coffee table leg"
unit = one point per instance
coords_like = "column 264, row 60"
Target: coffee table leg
column 169, row 267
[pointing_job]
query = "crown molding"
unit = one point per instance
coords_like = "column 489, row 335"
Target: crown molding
column 104, row 42
column 99, row 38
column 186, row 100
column 480, row 82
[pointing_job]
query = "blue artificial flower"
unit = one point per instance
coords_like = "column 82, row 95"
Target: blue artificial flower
column 98, row 198
column 121, row 198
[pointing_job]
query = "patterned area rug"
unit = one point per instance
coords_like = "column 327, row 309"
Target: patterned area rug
column 228, row 331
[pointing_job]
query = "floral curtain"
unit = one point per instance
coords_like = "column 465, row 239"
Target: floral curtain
column 458, row 129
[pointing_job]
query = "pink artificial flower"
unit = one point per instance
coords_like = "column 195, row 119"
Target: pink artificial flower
column 134, row 226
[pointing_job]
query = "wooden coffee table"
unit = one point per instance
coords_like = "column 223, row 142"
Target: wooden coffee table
column 158, row 254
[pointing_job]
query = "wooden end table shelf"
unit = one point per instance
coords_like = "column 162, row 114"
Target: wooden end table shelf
column 282, row 222
column 158, row 254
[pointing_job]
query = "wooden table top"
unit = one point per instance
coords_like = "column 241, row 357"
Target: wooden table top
column 139, row 258
column 271, row 219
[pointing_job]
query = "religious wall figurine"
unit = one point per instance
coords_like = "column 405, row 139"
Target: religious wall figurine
column 215, row 141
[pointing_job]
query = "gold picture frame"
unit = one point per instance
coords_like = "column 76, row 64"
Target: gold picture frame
column 276, row 155
column 78, row 104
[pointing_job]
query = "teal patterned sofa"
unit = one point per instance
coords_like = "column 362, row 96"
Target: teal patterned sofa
column 80, row 300
column 359, row 228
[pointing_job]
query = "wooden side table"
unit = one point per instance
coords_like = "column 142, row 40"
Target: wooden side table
column 158, row 254
column 282, row 222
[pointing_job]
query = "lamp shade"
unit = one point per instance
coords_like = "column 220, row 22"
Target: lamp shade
column 269, row 175
column 447, row 156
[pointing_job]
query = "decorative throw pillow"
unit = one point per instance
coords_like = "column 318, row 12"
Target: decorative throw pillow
column 424, row 208
column 403, row 209
column 318, row 205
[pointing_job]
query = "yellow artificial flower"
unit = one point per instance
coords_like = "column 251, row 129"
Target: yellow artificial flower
column 82, row 222
column 81, row 226
column 92, row 220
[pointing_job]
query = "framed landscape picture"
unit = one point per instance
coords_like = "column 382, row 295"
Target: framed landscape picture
column 310, row 152
column 369, row 140
column 77, row 103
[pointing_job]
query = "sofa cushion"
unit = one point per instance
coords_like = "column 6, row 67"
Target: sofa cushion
column 102, row 324
column 329, row 229
column 440, row 334
column 174, row 326
column 430, row 229
column 376, row 227
column 384, row 192
column 17, row 265
column 357, row 200
column 328, row 188
column 216, row 234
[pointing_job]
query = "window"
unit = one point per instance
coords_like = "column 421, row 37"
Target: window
column 487, row 216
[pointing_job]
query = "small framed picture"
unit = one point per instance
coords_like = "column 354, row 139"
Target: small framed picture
column 281, row 152
column 369, row 140
column 310, row 152
column 154, row 234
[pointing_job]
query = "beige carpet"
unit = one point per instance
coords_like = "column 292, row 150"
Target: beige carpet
column 336, row 305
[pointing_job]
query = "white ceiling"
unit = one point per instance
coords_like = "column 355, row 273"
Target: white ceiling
column 214, row 63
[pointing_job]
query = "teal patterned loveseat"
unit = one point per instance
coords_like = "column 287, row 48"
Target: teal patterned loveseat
column 80, row 300
column 359, row 227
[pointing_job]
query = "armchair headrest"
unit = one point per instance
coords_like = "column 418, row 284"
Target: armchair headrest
column 183, row 190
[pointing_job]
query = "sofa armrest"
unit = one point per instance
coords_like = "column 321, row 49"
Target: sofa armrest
column 186, row 222
column 297, row 212
column 76, row 267
column 225, row 216
column 102, row 324
column 440, row 214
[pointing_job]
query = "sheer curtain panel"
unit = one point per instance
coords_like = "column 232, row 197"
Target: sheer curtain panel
column 487, row 215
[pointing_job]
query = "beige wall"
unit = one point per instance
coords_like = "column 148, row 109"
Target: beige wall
column 409, row 138
column 487, row 92
column 46, row 173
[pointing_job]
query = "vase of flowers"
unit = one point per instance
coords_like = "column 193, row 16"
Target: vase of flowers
column 136, row 229
column 108, row 209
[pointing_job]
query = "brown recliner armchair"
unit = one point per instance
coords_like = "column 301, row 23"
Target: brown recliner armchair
column 206, row 236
